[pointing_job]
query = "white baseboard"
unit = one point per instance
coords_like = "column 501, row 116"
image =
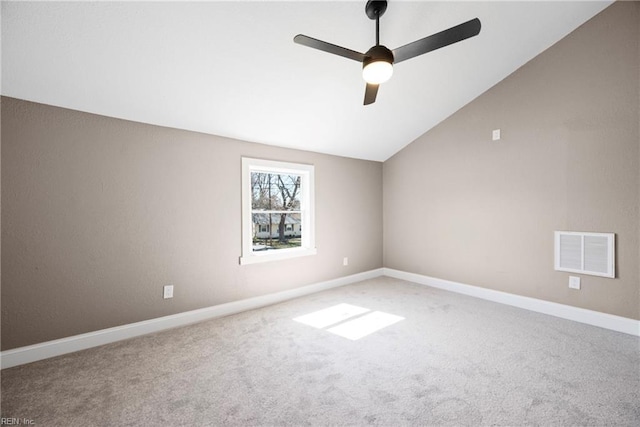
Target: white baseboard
column 45, row 350
column 590, row 317
column 32, row 353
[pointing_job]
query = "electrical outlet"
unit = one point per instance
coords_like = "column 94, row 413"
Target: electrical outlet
column 345, row 261
column 495, row 135
column 574, row 282
column 168, row 291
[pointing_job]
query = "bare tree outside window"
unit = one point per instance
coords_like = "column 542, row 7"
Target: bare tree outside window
column 275, row 202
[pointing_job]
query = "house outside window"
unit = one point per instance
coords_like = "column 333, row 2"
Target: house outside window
column 277, row 205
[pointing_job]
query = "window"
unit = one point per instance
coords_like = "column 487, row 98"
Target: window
column 277, row 205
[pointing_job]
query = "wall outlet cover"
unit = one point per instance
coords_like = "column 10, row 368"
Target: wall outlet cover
column 574, row 282
column 168, row 291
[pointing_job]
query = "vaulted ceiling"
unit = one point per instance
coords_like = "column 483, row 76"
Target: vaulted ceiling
column 232, row 69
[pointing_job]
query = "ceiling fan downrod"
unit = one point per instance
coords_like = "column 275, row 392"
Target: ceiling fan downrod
column 374, row 10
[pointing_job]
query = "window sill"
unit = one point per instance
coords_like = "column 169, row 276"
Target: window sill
column 281, row 254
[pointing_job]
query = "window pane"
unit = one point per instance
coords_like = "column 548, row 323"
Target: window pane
column 273, row 231
column 275, row 192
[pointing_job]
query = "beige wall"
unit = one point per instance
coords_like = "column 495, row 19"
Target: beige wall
column 461, row 207
column 99, row 213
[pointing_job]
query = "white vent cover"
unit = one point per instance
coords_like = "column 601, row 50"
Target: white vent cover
column 588, row 253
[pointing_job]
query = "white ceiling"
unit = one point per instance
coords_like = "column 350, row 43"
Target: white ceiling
column 232, row 69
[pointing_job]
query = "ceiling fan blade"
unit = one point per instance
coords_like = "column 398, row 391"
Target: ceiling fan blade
column 328, row 47
column 370, row 94
column 436, row 41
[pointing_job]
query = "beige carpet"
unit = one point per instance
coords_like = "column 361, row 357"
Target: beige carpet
column 453, row 360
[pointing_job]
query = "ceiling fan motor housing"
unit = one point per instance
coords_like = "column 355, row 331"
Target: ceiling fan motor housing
column 377, row 53
column 377, row 66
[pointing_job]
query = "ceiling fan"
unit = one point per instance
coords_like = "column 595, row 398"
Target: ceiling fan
column 377, row 62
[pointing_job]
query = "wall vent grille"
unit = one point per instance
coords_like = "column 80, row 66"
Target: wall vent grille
column 584, row 252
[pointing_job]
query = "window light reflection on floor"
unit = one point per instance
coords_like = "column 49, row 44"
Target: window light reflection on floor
column 330, row 316
column 349, row 321
column 365, row 325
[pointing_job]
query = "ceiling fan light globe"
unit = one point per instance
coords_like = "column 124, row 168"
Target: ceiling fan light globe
column 377, row 72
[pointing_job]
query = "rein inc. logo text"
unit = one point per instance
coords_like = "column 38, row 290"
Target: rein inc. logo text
column 6, row 421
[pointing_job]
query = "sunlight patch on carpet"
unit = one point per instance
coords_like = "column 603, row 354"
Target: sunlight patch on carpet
column 330, row 316
column 341, row 318
column 365, row 325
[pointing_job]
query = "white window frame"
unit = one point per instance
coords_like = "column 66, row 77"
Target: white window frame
column 307, row 210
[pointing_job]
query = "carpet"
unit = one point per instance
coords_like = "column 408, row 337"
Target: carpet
column 440, row 359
